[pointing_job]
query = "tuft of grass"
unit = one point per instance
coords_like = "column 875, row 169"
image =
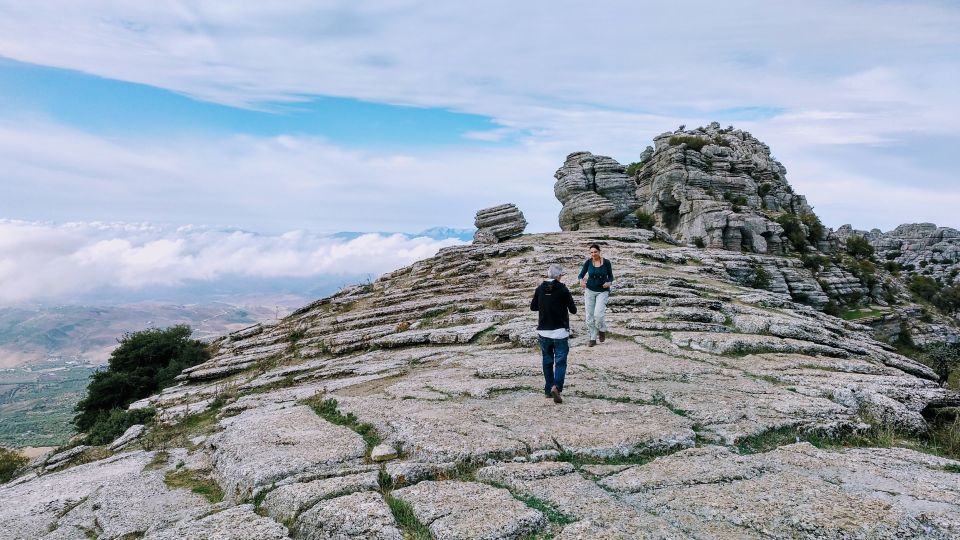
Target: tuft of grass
column 952, row 467
column 854, row 314
column 195, row 482
column 163, row 436
column 548, row 510
column 159, row 461
column 412, row 528
column 327, row 409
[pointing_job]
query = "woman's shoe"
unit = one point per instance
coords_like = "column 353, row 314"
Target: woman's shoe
column 591, row 343
column 603, row 337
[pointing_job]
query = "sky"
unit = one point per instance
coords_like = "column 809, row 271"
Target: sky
column 159, row 133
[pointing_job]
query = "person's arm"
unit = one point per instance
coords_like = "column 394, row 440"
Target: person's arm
column 535, row 303
column 583, row 272
column 609, row 274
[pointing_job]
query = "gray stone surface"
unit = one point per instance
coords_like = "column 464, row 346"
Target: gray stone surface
column 595, row 191
column 286, row 502
column 258, row 447
column 236, row 523
column 359, row 515
column 467, row 510
column 498, row 223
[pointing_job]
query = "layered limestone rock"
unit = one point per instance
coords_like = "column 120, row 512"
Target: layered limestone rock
column 436, row 362
column 721, row 186
column 922, row 248
column 498, row 223
column 595, row 191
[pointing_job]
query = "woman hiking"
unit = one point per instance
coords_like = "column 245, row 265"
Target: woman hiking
column 596, row 276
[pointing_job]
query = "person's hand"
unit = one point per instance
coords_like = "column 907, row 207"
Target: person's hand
column 606, row 285
column 583, row 283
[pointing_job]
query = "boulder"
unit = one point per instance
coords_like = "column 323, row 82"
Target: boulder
column 595, row 192
column 498, row 223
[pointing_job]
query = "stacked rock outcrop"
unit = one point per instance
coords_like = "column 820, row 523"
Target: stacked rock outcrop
column 595, row 191
column 919, row 247
column 721, row 186
column 498, row 223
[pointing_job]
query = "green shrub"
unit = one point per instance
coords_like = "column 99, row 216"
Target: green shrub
column 693, row 142
column 111, row 424
column 10, row 462
column 923, row 264
column 909, row 267
column 698, row 241
column 764, row 189
column 633, row 168
column 891, row 255
column 942, row 358
column 737, row 200
column 794, row 231
column 761, row 278
column 815, row 229
column 800, row 296
column 948, row 299
column 815, row 262
column 892, row 266
column 859, row 247
column 832, row 308
column 144, row 363
column 924, row 287
column 645, row 220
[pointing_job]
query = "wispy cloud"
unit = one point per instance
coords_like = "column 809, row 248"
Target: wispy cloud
column 45, row 261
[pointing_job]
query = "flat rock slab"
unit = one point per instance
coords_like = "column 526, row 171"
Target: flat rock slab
column 236, row 523
column 799, row 491
column 261, row 446
column 359, row 515
column 579, row 499
column 470, row 511
column 516, row 423
column 286, row 502
column 114, row 496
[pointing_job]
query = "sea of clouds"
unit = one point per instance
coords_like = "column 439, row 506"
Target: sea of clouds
column 50, row 262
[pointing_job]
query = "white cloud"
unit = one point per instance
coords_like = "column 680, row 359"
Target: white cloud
column 44, row 261
column 567, row 76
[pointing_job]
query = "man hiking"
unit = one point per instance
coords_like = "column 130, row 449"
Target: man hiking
column 553, row 300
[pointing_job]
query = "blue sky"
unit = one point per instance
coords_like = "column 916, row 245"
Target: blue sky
column 116, row 108
column 400, row 115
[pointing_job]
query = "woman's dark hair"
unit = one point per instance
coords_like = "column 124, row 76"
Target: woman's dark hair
column 595, row 246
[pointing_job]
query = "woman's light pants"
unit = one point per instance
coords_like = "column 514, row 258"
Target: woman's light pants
column 596, row 303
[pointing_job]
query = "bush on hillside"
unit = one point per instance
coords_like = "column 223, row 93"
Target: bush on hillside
column 10, row 462
column 942, row 358
column 645, row 220
column 815, row 229
column 111, row 424
column 859, row 247
column 144, row 363
column 924, row 287
column 794, row 231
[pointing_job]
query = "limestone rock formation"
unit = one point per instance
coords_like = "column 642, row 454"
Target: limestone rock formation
column 595, row 191
column 923, row 248
column 721, row 186
column 435, row 361
column 498, row 223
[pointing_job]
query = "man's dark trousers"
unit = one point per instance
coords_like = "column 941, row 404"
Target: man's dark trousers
column 554, row 362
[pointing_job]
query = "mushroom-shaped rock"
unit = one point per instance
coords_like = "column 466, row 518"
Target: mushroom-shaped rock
column 498, row 223
column 595, row 191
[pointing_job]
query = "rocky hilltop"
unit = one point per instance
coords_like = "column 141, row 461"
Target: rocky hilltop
column 410, row 408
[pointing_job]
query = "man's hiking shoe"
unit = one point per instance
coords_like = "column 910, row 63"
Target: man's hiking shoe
column 556, row 395
column 603, row 337
column 592, row 343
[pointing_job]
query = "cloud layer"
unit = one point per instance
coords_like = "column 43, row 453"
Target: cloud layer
column 42, row 261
